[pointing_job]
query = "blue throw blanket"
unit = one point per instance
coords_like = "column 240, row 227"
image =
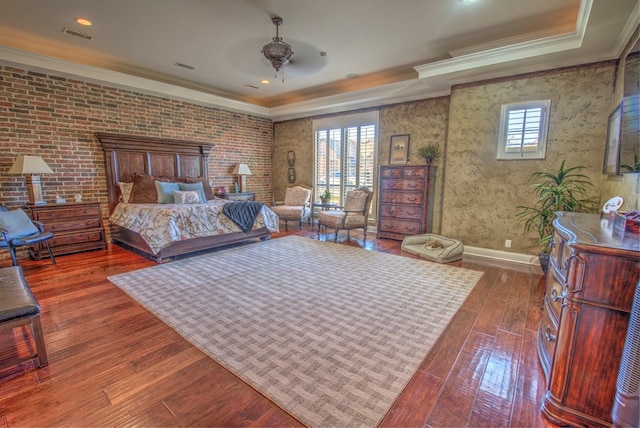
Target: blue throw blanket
column 242, row 213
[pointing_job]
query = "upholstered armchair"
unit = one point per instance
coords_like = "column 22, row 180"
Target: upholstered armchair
column 353, row 215
column 296, row 205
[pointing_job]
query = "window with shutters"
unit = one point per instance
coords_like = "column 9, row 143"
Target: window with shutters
column 345, row 151
column 523, row 130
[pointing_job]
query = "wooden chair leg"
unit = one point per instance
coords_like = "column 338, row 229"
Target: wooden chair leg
column 286, row 225
column 38, row 337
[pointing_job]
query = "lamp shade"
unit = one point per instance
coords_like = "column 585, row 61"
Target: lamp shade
column 26, row 164
column 242, row 169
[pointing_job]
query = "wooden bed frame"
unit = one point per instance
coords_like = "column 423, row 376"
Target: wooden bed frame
column 126, row 155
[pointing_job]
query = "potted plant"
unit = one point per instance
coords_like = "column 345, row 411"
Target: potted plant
column 430, row 153
column 325, row 196
column 565, row 190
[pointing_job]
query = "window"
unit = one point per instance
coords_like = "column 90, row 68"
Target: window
column 523, row 130
column 345, row 150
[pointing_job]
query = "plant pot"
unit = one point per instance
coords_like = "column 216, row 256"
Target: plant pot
column 544, row 262
column 323, row 200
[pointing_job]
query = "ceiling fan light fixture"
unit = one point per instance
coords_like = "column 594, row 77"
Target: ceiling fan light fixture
column 278, row 53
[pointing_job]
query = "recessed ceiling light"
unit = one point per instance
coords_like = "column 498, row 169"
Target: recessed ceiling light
column 265, row 82
column 84, row 21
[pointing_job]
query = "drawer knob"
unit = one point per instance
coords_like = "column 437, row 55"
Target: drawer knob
column 547, row 334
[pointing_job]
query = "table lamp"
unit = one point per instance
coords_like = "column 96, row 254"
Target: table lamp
column 242, row 169
column 31, row 166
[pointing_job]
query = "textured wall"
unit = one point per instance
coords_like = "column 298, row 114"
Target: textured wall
column 425, row 121
column 296, row 136
column 57, row 118
column 480, row 192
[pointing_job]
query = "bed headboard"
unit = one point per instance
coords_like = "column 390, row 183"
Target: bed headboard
column 126, row 155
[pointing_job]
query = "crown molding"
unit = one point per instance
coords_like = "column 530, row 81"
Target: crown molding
column 64, row 68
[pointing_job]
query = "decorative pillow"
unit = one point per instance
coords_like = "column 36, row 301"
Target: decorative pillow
column 208, row 191
column 125, row 191
column 186, row 197
column 356, row 200
column 17, row 223
column 164, row 190
column 195, row 187
column 144, row 189
column 297, row 196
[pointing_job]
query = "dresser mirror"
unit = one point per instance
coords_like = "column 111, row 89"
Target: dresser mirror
column 630, row 124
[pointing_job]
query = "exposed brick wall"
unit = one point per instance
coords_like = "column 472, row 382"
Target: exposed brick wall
column 57, row 118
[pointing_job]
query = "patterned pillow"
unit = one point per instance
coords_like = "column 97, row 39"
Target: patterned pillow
column 186, row 197
column 296, row 196
column 125, row 191
column 356, row 200
column 164, row 190
column 197, row 187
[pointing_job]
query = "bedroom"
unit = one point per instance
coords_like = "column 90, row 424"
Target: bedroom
column 67, row 141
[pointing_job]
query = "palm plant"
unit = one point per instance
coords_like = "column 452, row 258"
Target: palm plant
column 565, row 190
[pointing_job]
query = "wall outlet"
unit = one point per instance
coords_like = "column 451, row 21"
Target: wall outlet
column 507, row 243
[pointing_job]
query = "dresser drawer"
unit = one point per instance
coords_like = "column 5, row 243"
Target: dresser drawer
column 60, row 213
column 548, row 331
column 403, row 227
column 62, row 239
column 554, row 293
column 401, row 198
column 81, row 223
column 404, row 184
column 401, row 211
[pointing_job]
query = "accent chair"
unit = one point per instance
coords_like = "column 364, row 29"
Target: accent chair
column 17, row 230
column 353, row 215
column 296, row 205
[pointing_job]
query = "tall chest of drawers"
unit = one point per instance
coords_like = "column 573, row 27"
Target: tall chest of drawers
column 404, row 204
column 593, row 274
column 76, row 226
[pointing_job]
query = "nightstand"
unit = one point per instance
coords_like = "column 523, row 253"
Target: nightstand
column 246, row 196
column 76, row 226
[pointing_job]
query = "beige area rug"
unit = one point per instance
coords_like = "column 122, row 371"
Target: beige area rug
column 330, row 333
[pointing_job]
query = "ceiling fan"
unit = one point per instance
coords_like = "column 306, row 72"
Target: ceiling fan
column 295, row 58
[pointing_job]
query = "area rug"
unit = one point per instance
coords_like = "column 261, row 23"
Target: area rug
column 330, row 333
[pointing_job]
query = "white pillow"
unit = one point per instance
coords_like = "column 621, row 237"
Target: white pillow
column 186, row 197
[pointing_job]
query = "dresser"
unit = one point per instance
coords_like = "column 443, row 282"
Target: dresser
column 76, row 226
column 405, row 201
column 590, row 286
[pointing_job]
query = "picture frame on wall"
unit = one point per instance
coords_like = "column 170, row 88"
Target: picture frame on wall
column 612, row 150
column 291, row 158
column 399, row 149
column 291, row 175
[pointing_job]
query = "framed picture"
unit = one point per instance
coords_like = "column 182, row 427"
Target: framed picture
column 612, row 151
column 291, row 158
column 399, row 149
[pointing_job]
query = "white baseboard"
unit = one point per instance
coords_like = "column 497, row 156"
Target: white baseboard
column 502, row 255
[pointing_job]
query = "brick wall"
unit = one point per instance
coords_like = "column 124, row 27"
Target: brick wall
column 57, row 118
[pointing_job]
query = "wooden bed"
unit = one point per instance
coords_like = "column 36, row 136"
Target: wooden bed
column 126, row 155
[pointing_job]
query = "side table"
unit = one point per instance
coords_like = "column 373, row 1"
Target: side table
column 245, row 196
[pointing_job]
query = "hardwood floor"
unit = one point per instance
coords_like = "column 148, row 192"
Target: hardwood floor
column 113, row 363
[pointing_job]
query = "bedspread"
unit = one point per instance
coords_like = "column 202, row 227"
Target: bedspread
column 162, row 224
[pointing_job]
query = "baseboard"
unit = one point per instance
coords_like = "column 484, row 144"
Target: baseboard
column 502, row 255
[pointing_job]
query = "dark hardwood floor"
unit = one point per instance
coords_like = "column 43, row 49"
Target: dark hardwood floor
column 113, row 363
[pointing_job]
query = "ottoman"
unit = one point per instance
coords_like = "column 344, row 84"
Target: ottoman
column 433, row 247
